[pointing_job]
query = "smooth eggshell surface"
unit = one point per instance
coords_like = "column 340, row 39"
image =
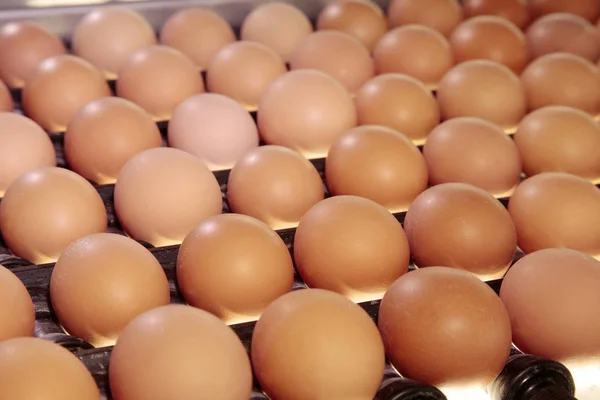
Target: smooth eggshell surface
column 441, row 15
column 588, row 9
column 514, row 11
column 17, row 318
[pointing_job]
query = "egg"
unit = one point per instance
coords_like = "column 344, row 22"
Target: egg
column 562, row 32
column 490, row 38
column 441, row 15
column 18, row 315
column 158, row 78
column 233, row 266
column 274, row 184
column 414, row 50
column 198, row 33
column 362, row 19
column 483, row 89
column 588, row 9
column 514, row 11
column 377, row 163
column 305, row 110
column 45, row 210
column 23, row 47
column 399, row 102
column 214, row 128
column 107, row 36
column 474, row 151
column 340, row 239
column 6, row 100
column 60, row 86
column 337, row 54
column 429, row 317
column 243, row 70
column 560, row 139
column 551, row 295
column 461, row 226
column 105, row 134
column 179, row 352
column 178, row 190
column 103, row 281
column 562, row 79
column 23, row 146
column 573, row 204
column 290, row 23
column 315, row 344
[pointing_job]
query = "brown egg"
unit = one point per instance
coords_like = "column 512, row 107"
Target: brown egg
column 274, row 184
column 340, row 239
column 588, row 9
column 23, row 47
column 337, row 54
column 178, row 190
column 444, row 327
column 214, row 128
column 105, row 134
column 490, row 38
column 17, row 318
column 315, row 344
column 483, row 89
column 103, row 281
column 514, row 11
column 193, row 351
column 566, row 33
column 474, row 151
column 6, row 100
column 560, row 139
column 243, row 71
column 60, row 86
column 362, row 19
column 562, row 79
column 45, row 210
column 305, row 110
column 59, row 374
column 197, row 33
column 555, row 209
column 234, row 266
column 414, row 50
column 23, row 146
column 158, row 78
column 107, row 36
column 399, row 102
column 551, row 295
column 290, row 23
column 377, row 163
column 441, row 15
column 461, row 226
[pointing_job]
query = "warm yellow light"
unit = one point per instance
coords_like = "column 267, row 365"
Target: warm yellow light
column 512, row 130
column 465, row 393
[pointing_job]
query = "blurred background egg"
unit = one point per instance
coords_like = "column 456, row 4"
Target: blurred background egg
column 243, row 70
column 588, row 9
column 18, row 315
column 6, row 100
column 315, row 344
column 178, row 190
column 414, row 50
column 233, row 266
column 441, row 15
column 337, row 54
column 305, row 110
column 475, row 151
column 399, row 102
column 274, row 184
column 60, row 86
column 290, row 23
column 198, row 33
column 45, row 210
column 23, row 47
column 378, row 163
column 158, row 78
column 107, row 36
column 23, row 146
column 461, row 226
column 514, row 11
column 214, row 128
column 560, row 139
column 352, row 246
column 105, row 134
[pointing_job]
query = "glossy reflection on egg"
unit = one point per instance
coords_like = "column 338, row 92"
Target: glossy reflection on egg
column 18, row 316
column 441, row 15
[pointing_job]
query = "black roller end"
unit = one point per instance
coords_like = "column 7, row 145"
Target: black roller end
column 406, row 389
